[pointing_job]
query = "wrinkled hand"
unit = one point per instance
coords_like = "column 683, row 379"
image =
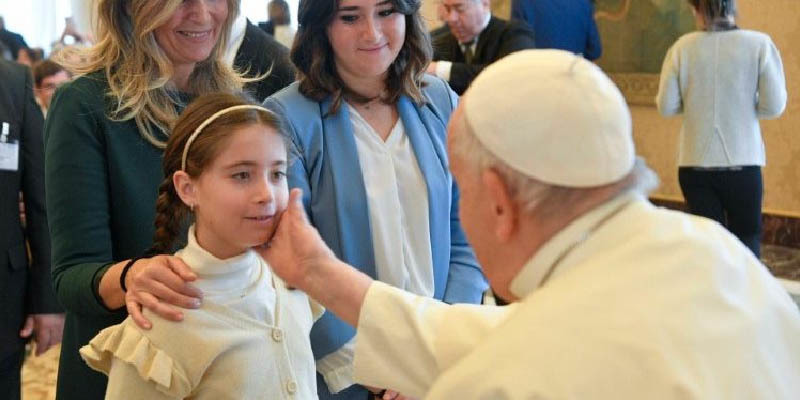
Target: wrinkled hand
column 46, row 330
column 159, row 284
column 392, row 395
column 387, row 394
column 296, row 246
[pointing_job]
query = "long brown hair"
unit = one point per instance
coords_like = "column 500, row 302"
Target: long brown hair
column 171, row 212
column 138, row 71
column 312, row 54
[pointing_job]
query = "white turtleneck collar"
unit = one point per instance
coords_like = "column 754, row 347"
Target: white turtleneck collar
column 230, row 277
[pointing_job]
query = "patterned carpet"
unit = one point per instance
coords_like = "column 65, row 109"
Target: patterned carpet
column 39, row 373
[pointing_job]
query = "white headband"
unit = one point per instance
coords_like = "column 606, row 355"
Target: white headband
column 209, row 120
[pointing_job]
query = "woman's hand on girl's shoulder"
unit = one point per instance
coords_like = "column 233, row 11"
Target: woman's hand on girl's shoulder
column 161, row 284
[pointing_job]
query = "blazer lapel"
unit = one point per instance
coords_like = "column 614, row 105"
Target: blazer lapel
column 419, row 123
column 350, row 197
column 487, row 36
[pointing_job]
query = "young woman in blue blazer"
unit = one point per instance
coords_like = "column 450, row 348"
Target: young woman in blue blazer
column 369, row 130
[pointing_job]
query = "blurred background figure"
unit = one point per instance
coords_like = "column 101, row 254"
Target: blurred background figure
column 28, row 305
column 561, row 24
column 474, row 39
column 13, row 42
column 279, row 23
column 723, row 80
column 47, row 76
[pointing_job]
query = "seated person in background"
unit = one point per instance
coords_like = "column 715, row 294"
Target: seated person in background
column 561, row 24
column 47, row 76
column 475, row 39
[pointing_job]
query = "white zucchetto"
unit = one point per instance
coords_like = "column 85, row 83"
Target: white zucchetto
column 553, row 116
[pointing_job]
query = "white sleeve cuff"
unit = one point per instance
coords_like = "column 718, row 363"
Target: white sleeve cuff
column 443, row 69
column 337, row 367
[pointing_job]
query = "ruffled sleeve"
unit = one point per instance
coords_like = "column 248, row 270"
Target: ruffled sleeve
column 126, row 343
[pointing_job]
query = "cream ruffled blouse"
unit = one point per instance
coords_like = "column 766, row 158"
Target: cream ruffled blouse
column 249, row 339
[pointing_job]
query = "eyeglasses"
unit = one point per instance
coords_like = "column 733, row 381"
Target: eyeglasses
column 49, row 86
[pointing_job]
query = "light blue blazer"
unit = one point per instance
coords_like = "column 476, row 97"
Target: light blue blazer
column 327, row 169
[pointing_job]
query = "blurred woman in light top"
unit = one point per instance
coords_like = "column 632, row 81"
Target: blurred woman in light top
column 723, row 80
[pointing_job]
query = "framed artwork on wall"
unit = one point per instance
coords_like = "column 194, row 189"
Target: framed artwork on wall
column 636, row 35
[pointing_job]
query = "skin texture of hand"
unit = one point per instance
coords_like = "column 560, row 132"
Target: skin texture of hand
column 160, row 284
column 392, row 395
column 300, row 257
column 388, row 394
column 296, row 246
column 46, row 330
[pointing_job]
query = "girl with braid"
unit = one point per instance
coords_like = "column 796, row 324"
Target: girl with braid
column 225, row 172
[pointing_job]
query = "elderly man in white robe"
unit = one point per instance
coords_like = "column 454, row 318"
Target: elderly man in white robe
column 613, row 298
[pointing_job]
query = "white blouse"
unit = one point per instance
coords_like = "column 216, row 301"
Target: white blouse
column 397, row 199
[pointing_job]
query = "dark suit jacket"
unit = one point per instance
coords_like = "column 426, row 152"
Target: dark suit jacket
column 23, row 290
column 499, row 39
column 561, row 24
column 257, row 54
column 13, row 41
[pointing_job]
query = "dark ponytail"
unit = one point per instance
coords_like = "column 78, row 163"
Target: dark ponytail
column 171, row 214
column 716, row 13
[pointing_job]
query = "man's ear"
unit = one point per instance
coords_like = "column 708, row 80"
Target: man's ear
column 504, row 208
column 185, row 187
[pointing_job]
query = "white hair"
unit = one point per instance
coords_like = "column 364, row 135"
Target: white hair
column 533, row 195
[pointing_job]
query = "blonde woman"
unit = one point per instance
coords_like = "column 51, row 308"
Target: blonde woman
column 104, row 142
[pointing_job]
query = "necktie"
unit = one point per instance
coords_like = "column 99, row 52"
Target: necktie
column 468, row 54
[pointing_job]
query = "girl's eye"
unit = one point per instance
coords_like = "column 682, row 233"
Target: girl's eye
column 348, row 19
column 278, row 175
column 241, row 176
column 387, row 12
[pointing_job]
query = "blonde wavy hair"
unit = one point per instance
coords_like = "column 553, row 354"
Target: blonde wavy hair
column 137, row 69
